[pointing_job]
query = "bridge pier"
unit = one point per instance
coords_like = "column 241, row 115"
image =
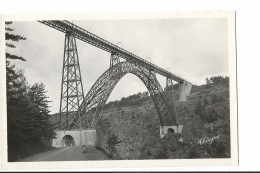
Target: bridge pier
column 184, row 90
column 75, row 137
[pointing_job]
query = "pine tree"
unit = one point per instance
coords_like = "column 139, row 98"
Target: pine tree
column 15, row 90
column 38, row 97
column 10, row 38
column 27, row 107
column 17, row 103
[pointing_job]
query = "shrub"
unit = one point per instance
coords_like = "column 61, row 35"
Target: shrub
column 112, row 142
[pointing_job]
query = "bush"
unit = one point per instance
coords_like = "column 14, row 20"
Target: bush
column 112, row 142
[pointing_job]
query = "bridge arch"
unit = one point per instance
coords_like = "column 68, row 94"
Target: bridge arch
column 103, row 87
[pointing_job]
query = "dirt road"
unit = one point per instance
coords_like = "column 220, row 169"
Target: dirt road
column 67, row 154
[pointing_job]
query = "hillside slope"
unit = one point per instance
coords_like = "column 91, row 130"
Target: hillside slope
column 138, row 128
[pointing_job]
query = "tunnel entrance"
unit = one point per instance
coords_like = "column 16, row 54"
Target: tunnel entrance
column 67, row 140
column 170, row 130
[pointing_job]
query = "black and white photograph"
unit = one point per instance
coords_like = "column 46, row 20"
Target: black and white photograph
column 140, row 88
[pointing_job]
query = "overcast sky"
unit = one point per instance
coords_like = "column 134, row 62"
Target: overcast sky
column 190, row 48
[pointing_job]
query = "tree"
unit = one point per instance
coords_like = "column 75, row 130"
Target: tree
column 27, row 107
column 216, row 80
column 9, row 37
column 207, row 81
column 16, row 87
column 38, row 97
column 112, row 142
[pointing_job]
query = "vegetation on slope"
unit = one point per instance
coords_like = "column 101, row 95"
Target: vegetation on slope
column 205, row 120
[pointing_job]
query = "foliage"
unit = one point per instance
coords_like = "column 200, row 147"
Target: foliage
column 217, row 80
column 112, row 142
column 27, row 107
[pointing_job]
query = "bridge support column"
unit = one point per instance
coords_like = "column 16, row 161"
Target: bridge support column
column 184, row 90
column 170, row 129
column 89, row 137
column 75, row 138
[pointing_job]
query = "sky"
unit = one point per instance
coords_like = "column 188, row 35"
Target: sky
column 193, row 49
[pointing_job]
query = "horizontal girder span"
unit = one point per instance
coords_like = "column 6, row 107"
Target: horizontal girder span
column 86, row 36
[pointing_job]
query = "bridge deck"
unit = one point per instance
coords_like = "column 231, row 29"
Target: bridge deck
column 86, row 36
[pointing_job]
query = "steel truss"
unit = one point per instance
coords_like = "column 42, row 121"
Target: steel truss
column 88, row 37
column 169, row 84
column 101, row 90
column 72, row 93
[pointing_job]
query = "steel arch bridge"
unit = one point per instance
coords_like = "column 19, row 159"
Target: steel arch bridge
column 82, row 112
column 103, row 87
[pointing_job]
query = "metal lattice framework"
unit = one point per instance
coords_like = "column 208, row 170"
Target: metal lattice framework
column 84, row 112
column 103, row 87
column 169, row 84
column 72, row 93
column 92, row 39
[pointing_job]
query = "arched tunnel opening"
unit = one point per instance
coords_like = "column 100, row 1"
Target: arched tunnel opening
column 170, row 130
column 68, row 140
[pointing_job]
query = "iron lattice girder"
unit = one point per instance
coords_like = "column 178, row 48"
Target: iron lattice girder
column 100, row 91
column 115, row 62
column 88, row 37
column 170, row 88
column 72, row 93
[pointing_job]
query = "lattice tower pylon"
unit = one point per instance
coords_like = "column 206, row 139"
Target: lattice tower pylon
column 169, row 85
column 72, row 94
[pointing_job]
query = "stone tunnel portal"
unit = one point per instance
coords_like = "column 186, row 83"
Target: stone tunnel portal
column 67, row 140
